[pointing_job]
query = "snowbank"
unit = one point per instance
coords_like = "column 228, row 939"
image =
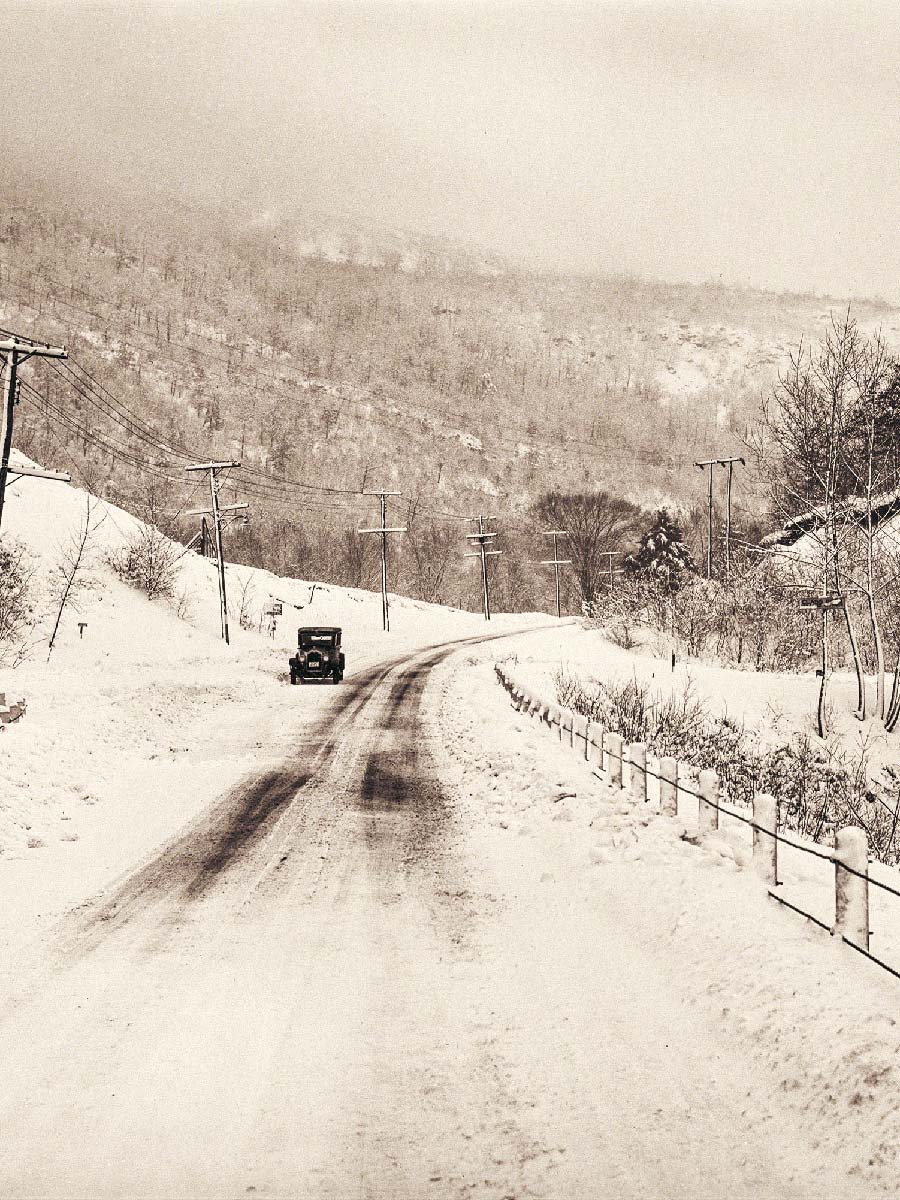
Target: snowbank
column 819, row 1021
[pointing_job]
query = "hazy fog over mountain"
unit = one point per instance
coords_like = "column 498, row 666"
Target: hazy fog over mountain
column 736, row 141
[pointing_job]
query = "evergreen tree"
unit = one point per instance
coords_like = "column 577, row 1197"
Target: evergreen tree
column 662, row 554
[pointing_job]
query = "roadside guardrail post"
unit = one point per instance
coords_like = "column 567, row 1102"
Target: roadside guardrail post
column 707, row 815
column 637, row 758
column 580, row 733
column 614, row 758
column 567, row 727
column 765, row 840
column 595, row 751
column 851, row 891
column 668, row 786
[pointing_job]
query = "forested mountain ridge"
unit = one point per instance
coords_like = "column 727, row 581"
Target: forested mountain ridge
column 347, row 358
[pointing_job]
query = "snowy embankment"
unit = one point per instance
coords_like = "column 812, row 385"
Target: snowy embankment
column 815, row 1022
column 142, row 717
column 774, row 708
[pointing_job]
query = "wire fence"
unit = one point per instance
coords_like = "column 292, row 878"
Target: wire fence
column 610, row 749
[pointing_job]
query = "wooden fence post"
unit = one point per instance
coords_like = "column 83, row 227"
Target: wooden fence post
column 765, row 841
column 707, row 816
column 595, row 750
column 851, row 892
column 570, row 726
column 581, row 727
column 637, row 757
column 614, row 758
column 668, row 786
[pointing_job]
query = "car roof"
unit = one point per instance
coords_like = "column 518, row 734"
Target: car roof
column 319, row 629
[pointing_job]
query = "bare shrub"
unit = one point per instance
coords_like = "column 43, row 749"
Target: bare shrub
column 148, row 562
column 620, row 611
column 819, row 789
column 16, row 607
column 183, row 604
column 246, row 592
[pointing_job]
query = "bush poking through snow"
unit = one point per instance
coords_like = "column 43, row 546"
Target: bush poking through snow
column 818, row 789
column 16, row 610
column 183, row 604
column 148, row 562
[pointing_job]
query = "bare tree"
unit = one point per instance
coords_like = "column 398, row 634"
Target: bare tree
column 70, row 574
column 596, row 522
column 824, row 461
column 430, row 547
column 245, row 598
column 357, row 559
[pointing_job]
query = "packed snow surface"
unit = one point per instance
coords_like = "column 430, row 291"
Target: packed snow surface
column 536, row 988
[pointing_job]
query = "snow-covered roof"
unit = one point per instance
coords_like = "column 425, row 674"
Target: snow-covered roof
column 885, row 504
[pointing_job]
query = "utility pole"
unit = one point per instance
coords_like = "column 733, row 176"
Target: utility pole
column 708, row 463
column 729, row 462
column 215, row 511
column 609, row 555
column 383, row 530
column 556, row 562
column 711, row 463
column 17, row 351
column 482, row 537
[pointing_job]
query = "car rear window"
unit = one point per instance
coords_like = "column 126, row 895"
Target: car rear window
column 317, row 639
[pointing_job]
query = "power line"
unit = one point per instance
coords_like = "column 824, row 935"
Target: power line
column 263, row 484
column 113, row 449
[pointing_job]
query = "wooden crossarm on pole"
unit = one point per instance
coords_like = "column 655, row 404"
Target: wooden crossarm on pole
column 30, row 473
column 26, row 349
column 208, row 512
column 212, row 466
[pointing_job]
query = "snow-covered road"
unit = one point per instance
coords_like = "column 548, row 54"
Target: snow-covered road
column 351, row 979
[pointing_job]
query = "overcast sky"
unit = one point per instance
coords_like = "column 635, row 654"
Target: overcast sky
column 741, row 141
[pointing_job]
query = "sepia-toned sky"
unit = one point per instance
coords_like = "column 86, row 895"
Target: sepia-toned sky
column 742, row 141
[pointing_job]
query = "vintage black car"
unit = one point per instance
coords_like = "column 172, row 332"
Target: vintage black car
column 318, row 655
